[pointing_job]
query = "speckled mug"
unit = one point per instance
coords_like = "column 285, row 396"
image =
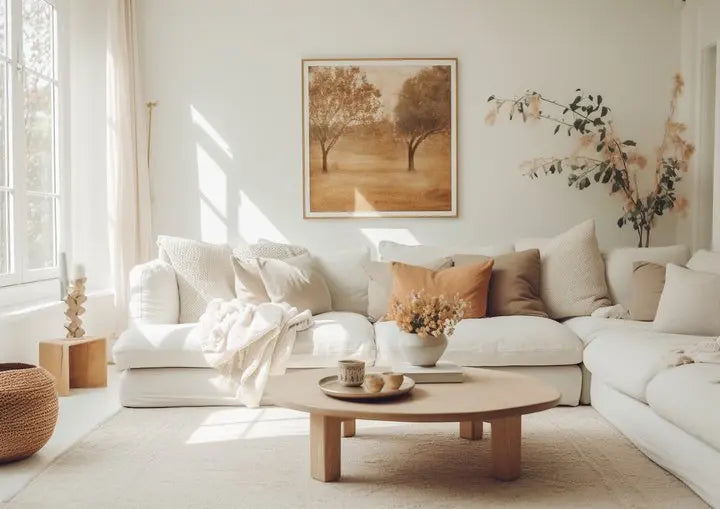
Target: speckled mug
column 351, row 373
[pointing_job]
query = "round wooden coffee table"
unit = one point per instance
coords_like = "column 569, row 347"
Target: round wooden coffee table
column 497, row 397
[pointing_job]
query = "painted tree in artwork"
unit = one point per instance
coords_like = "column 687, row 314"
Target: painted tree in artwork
column 340, row 97
column 423, row 108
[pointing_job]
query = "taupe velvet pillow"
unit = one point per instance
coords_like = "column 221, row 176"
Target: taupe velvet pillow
column 514, row 285
column 648, row 281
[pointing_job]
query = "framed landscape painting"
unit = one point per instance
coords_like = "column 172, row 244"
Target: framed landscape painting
column 380, row 137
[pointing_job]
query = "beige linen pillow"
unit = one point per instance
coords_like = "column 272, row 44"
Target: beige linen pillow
column 249, row 286
column 648, row 280
column 204, row 272
column 572, row 281
column 296, row 283
column 380, row 285
column 514, row 285
column 689, row 303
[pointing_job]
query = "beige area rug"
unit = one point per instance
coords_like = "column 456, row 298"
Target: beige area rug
column 241, row 458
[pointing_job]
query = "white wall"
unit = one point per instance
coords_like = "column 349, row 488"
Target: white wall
column 227, row 131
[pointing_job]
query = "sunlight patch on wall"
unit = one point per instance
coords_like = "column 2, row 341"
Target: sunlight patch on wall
column 212, row 182
column 254, row 225
column 200, row 121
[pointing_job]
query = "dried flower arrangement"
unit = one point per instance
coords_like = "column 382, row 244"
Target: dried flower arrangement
column 604, row 156
column 425, row 314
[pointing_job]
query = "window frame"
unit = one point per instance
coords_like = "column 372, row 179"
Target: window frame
column 17, row 73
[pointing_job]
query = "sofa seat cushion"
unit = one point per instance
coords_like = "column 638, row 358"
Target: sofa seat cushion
column 588, row 328
column 689, row 397
column 627, row 358
column 334, row 336
column 496, row 341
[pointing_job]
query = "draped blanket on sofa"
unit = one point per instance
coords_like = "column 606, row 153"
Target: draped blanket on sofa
column 255, row 341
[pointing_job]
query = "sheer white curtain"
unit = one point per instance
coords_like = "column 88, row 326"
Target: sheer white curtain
column 128, row 173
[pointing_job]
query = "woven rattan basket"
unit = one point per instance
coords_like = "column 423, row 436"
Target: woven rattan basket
column 28, row 410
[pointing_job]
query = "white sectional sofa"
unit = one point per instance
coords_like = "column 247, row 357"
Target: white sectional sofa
column 623, row 367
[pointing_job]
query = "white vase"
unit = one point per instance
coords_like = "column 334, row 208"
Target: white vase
column 421, row 349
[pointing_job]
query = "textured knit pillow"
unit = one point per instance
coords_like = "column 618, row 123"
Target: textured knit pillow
column 204, row 272
column 689, row 303
column 295, row 282
column 648, row 280
column 515, row 283
column 380, row 285
column 572, row 281
column 470, row 283
column 268, row 249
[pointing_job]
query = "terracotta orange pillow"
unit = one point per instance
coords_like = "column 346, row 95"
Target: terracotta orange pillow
column 470, row 282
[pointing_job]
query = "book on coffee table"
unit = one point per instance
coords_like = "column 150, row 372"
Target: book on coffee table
column 442, row 372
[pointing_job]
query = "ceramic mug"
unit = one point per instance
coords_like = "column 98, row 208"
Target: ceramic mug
column 393, row 380
column 373, row 383
column 351, row 373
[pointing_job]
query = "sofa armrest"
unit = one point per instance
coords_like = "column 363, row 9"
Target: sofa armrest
column 154, row 296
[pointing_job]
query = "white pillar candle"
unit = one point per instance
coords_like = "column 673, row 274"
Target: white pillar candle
column 78, row 271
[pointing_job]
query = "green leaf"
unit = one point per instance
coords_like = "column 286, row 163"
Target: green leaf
column 629, row 143
column 557, row 128
column 491, row 98
column 597, row 176
column 604, row 111
column 599, row 100
column 600, row 146
column 621, row 222
column 584, row 183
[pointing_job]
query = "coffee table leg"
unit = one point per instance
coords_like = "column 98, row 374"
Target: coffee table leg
column 325, row 447
column 348, row 428
column 471, row 430
column 505, row 434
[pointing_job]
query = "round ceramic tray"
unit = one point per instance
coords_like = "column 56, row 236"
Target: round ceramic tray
column 330, row 386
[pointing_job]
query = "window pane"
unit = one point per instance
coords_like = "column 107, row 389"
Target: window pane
column 3, row 27
column 4, row 233
column 40, row 232
column 37, row 42
column 38, row 134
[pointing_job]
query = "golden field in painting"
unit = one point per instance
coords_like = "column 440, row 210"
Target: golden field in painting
column 379, row 139
column 360, row 180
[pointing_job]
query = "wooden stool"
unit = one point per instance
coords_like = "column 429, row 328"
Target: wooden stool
column 75, row 363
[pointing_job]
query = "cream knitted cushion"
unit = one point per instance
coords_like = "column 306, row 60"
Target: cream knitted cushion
column 572, row 282
column 204, row 272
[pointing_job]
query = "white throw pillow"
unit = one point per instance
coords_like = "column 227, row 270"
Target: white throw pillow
column 153, row 293
column 705, row 261
column 572, row 281
column 344, row 272
column 380, row 284
column 690, row 303
column 619, row 267
column 204, row 272
column 296, row 282
column 423, row 255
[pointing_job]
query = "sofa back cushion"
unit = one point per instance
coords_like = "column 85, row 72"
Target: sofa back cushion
column 470, row 283
column 204, row 272
column 153, row 294
column 426, row 255
column 619, row 267
column 689, row 303
column 705, row 261
column 347, row 280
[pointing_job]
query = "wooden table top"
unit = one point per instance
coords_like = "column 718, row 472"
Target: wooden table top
column 484, row 395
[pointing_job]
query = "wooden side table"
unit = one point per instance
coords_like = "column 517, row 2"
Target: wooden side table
column 75, row 363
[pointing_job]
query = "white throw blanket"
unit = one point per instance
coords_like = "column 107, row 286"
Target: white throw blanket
column 707, row 351
column 254, row 342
